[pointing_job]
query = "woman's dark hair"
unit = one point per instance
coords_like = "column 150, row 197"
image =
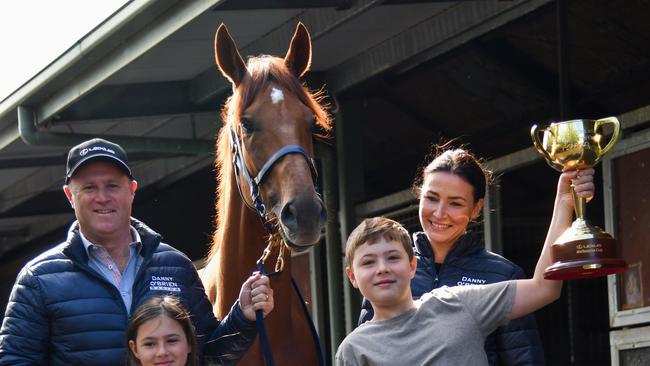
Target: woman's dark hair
column 170, row 307
column 458, row 161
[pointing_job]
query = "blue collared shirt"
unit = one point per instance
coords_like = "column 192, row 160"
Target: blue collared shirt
column 101, row 261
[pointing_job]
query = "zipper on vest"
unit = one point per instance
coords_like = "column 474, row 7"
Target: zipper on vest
column 137, row 284
column 436, row 278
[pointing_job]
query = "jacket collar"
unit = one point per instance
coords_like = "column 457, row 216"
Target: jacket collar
column 467, row 244
column 74, row 247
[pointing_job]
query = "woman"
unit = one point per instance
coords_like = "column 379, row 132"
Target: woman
column 161, row 332
column 452, row 190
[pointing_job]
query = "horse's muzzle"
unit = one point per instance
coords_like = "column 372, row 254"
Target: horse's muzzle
column 302, row 221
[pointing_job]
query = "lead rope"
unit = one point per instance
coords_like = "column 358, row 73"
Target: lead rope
column 259, row 314
column 312, row 327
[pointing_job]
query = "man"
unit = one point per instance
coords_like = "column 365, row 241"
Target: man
column 71, row 304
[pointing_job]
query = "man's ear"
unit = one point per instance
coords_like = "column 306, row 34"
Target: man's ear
column 68, row 194
column 353, row 279
column 134, row 186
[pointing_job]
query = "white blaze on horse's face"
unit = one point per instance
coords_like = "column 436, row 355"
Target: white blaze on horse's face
column 276, row 95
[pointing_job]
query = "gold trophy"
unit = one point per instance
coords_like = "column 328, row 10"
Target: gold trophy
column 582, row 251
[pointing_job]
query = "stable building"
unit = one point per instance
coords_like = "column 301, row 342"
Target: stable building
column 399, row 77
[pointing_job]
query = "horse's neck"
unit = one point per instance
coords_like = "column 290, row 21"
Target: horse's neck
column 240, row 238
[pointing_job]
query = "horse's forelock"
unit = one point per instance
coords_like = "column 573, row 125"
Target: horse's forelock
column 265, row 70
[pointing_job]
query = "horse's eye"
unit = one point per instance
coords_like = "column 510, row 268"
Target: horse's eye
column 247, row 125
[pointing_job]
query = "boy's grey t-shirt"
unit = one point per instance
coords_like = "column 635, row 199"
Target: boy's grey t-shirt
column 448, row 327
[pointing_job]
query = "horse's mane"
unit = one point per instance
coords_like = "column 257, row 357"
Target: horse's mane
column 262, row 71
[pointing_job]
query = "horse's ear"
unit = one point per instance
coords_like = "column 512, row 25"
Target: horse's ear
column 229, row 61
column 298, row 58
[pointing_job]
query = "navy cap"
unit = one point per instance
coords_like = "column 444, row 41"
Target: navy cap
column 96, row 149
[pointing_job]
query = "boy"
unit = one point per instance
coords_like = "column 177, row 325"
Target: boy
column 448, row 326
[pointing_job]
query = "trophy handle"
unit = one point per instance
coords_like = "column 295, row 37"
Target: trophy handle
column 534, row 134
column 615, row 135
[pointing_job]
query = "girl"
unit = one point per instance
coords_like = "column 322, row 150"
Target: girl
column 161, row 333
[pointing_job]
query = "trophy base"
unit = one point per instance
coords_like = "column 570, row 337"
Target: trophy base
column 584, row 251
column 577, row 270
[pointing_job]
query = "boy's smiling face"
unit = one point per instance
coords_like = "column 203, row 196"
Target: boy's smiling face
column 383, row 272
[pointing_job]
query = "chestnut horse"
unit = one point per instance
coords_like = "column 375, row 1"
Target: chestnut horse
column 268, row 110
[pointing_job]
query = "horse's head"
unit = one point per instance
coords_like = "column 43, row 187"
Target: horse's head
column 270, row 118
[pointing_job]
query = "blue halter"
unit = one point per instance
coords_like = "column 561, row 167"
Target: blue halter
column 255, row 182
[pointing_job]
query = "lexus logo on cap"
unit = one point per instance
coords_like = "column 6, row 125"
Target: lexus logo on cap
column 83, row 152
